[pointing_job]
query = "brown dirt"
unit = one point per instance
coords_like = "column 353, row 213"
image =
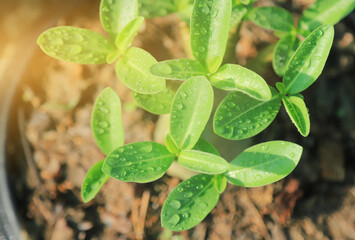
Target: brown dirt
column 316, row 202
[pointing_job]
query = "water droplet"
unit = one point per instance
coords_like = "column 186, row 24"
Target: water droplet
column 104, row 124
column 203, row 205
column 78, row 37
column 203, row 31
column 75, row 49
column 123, row 173
column 174, row 219
column 147, row 147
column 180, row 189
column 188, row 194
column 185, row 215
column 320, row 32
column 100, row 130
column 205, row 9
column 163, row 68
column 184, row 94
column 57, row 41
column 120, row 150
column 292, row 155
column 103, row 109
column 175, row 204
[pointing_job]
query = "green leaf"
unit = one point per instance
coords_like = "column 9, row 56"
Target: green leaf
column 209, row 31
column 284, row 50
column 126, row 36
column 106, row 121
column 324, row 12
column 156, row 8
column 171, row 145
column 94, row 180
column 202, row 162
column 264, row 163
column 231, row 77
column 221, row 183
column 138, row 162
column 240, row 116
column 205, row 146
column 273, row 18
column 75, row 45
column 238, row 12
column 159, row 103
column 133, row 70
column 178, row 69
column 308, row 61
column 189, row 203
column 297, row 110
column 116, row 14
column 190, row 111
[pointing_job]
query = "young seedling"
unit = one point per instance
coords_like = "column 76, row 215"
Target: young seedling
column 120, row 20
column 247, row 110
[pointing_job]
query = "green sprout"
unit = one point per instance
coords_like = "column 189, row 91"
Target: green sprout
column 250, row 106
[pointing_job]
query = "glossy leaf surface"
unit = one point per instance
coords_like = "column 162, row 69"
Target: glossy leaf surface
column 190, row 111
column 202, row 162
column 138, row 162
column 75, row 45
column 308, row 61
column 238, row 13
column 205, row 146
column 95, row 178
column 284, row 50
column 240, row 116
column 106, row 121
column 159, row 103
column 116, row 14
column 156, row 8
column 209, row 31
column 297, row 110
column 273, row 18
column 231, row 77
column 126, row 36
column 189, row 203
column 133, row 70
column 264, row 163
column 178, row 69
column 324, row 12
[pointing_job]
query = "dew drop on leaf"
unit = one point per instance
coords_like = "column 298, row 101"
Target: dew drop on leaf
column 175, row 204
column 188, row 194
column 174, row 219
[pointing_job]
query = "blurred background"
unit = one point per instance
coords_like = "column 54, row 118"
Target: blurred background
column 50, row 146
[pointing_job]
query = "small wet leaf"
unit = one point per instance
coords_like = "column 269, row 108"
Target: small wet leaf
column 264, row 163
column 106, row 121
column 196, row 196
column 309, row 59
column 116, row 14
column 240, row 116
column 190, row 111
column 178, row 69
column 126, row 36
column 133, row 70
column 202, row 162
column 75, row 45
column 284, row 50
column 297, row 110
column 231, row 77
column 324, row 12
column 238, row 12
column 205, row 146
column 138, row 162
column 273, row 18
column 95, row 178
column 156, row 8
column 159, row 103
column 209, row 31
